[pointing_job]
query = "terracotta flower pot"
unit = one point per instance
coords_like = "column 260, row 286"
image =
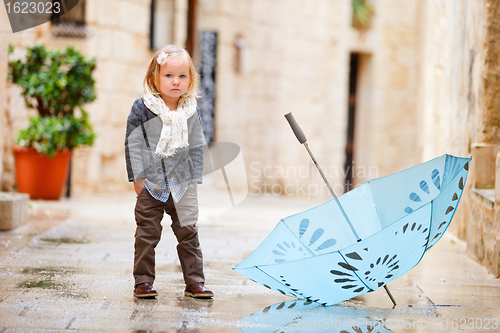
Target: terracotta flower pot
column 40, row 176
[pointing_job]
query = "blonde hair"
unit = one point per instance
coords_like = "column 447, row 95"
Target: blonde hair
column 152, row 78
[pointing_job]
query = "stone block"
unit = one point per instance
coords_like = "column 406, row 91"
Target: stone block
column 497, row 187
column 483, row 163
column 110, row 140
column 14, row 210
column 496, row 259
column 135, row 17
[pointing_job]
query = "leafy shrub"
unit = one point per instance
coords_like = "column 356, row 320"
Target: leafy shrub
column 49, row 134
column 56, row 83
column 362, row 14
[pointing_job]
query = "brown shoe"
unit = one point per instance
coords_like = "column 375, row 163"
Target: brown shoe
column 198, row 290
column 145, row 290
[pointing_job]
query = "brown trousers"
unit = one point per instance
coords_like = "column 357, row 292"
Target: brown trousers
column 148, row 215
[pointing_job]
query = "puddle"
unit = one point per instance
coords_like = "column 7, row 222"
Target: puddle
column 65, row 240
column 45, row 278
column 305, row 315
column 51, row 271
column 44, row 284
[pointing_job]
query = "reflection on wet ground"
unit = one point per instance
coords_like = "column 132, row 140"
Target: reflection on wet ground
column 78, row 276
column 355, row 316
column 305, row 315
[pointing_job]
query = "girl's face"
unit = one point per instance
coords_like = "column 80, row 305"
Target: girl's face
column 174, row 79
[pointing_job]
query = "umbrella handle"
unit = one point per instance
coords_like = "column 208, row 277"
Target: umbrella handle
column 295, row 128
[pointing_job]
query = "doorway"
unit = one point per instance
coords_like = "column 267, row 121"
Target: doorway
column 349, row 149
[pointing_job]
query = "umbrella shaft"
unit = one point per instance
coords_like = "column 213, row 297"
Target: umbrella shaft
column 331, row 191
column 390, row 295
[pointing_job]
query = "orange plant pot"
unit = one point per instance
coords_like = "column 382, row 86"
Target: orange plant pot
column 40, row 176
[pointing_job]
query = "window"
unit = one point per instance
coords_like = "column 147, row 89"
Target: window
column 208, row 69
column 70, row 23
column 162, row 23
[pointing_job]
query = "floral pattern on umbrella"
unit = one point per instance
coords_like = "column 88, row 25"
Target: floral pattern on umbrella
column 375, row 265
column 286, row 250
column 314, row 255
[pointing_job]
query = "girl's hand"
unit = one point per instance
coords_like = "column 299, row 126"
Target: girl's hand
column 138, row 185
column 195, row 184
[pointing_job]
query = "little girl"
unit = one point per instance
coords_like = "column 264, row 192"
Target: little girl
column 164, row 154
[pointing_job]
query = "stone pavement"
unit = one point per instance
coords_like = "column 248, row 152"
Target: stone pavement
column 70, row 269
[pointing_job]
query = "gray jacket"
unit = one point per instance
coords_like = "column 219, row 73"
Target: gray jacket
column 143, row 133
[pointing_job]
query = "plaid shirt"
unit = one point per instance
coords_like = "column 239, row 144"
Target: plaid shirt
column 171, row 187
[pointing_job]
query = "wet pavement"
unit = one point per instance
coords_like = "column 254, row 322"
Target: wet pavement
column 70, row 269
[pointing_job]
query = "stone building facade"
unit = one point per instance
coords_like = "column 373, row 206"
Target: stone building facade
column 295, row 58
column 425, row 71
column 458, row 110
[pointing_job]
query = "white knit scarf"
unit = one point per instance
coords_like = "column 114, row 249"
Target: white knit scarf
column 174, row 133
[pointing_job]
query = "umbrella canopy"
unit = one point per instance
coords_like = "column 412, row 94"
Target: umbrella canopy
column 315, row 255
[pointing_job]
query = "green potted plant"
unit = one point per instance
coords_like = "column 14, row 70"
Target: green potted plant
column 57, row 84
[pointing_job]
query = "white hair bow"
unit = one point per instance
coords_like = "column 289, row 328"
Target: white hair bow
column 162, row 58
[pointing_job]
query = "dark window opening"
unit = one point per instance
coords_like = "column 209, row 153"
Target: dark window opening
column 70, row 21
column 349, row 149
column 192, row 41
column 161, row 30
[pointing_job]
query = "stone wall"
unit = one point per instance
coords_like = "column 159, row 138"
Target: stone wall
column 120, row 43
column 459, row 112
column 493, row 253
column 385, row 132
column 483, row 229
column 489, row 101
column 3, row 99
column 451, row 63
column 4, row 31
column 293, row 59
column 449, row 68
column 296, row 58
column 14, row 114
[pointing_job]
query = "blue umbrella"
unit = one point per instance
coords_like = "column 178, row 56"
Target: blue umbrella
column 362, row 240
